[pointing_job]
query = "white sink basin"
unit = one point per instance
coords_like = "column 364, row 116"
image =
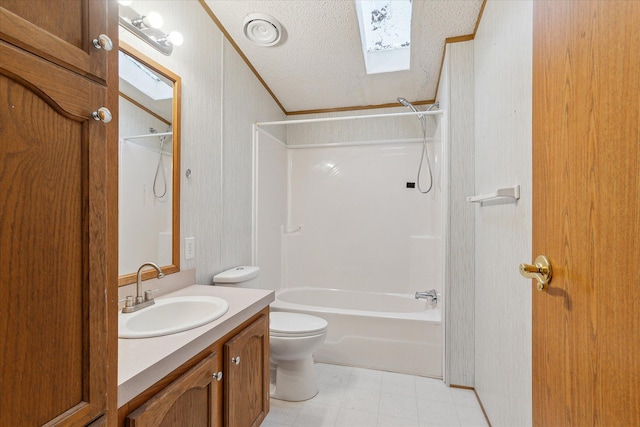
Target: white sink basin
column 171, row 315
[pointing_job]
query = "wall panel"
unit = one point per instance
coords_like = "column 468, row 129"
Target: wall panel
column 460, row 262
column 503, row 96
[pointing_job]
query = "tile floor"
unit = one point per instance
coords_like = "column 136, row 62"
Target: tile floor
column 356, row 397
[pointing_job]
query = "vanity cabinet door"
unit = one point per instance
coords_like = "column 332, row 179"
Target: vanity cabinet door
column 59, row 31
column 191, row 400
column 247, row 375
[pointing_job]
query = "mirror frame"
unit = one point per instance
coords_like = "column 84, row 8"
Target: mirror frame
column 174, row 267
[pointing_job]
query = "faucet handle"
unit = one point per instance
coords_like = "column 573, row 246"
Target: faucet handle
column 147, row 294
column 128, row 301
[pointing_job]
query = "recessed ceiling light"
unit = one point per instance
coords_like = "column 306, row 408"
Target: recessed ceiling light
column 262, row 29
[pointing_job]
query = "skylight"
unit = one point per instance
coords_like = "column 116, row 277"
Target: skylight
column 385, row 32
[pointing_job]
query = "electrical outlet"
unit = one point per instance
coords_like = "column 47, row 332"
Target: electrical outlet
column 189, row 247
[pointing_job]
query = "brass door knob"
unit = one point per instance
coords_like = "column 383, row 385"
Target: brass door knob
column 541, row 271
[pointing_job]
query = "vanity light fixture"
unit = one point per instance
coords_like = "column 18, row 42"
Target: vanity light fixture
column 147, row 28
column 152, row 20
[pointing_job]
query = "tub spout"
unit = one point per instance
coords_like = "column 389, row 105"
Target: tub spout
column 428, row 294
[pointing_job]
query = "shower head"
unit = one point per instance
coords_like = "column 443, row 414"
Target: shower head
column 410, row 106
column 407, row 104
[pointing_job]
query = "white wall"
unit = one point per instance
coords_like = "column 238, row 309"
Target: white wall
column 245, row 103
column 456, row 96
column 216, row 201
column 503, row 97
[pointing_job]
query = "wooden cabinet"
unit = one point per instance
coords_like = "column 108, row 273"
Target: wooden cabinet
column 192, row 396
column 56, row 220
column 60, row 31
column 191, row 400
column 247, row 376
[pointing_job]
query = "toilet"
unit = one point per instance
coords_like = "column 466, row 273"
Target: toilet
column 293, row 337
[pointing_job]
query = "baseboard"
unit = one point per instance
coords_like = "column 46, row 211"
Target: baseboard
column 477, row 398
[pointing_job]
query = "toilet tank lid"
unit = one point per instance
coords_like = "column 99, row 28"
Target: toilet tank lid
column 237, row 274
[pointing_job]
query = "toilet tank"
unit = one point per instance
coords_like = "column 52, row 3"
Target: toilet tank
column 242, row 276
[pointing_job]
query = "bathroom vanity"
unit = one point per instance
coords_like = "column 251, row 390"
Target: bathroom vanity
column 214, row 375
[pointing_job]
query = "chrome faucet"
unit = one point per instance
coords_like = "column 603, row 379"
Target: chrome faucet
column 433, row 294
column 141, row 301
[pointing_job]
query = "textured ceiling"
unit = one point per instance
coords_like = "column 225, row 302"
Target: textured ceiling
column 319, row 63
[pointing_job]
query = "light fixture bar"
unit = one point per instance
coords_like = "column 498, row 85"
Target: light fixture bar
column 135, row 23
column 165, row 49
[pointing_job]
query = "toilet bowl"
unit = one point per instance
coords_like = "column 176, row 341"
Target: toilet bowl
column 293, row 338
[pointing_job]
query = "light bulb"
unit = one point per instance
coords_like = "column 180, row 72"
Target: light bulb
column 153, row 20
column 175, row 38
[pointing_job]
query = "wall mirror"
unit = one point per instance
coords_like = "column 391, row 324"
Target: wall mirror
column 149, row 166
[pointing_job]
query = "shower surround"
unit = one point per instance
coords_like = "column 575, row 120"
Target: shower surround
column 347, row 215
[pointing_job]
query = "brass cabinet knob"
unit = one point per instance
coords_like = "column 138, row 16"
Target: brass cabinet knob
column 541, row 271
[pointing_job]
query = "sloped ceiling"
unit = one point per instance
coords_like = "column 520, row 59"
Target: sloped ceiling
column 319, row 63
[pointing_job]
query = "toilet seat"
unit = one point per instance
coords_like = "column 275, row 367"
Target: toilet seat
column 286, row 324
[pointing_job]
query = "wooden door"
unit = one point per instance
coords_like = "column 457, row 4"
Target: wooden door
column 586, row 212
column 53, row 256
column 188, row 401
column 59, row 31
column 246, row 389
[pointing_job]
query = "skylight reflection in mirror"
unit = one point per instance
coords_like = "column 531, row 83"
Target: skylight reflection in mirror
column 385, row 32
column 139, row 76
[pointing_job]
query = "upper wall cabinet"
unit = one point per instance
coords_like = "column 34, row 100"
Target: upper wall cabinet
column 72, row 33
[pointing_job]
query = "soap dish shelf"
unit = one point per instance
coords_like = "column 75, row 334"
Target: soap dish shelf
column 500, row 193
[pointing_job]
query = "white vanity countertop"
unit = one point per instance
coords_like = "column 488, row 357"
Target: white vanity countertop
column 144, row 361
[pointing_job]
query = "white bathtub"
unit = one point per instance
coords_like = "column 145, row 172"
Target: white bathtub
column 391, row 332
